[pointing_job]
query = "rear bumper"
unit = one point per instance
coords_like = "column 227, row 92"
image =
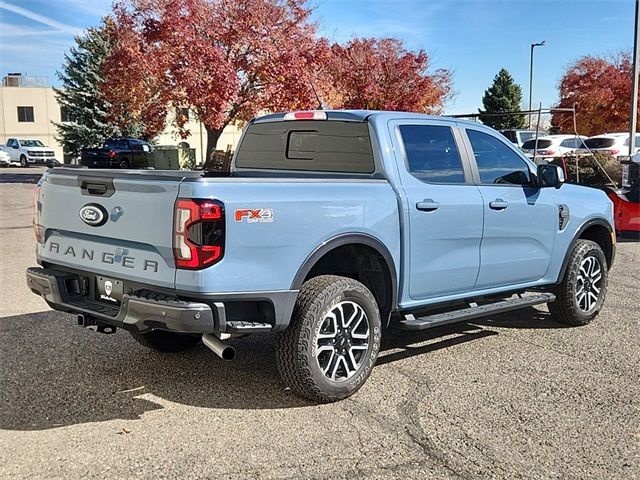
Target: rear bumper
column 149, row 308
column 140, row 311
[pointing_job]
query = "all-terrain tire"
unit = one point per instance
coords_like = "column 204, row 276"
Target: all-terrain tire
column 298, row 355
column 167, row 342
column 568, row 308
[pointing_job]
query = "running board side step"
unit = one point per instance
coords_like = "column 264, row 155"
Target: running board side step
column 431, row 321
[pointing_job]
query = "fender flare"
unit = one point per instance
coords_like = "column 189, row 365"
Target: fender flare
column 589, row 223
column 344, row 239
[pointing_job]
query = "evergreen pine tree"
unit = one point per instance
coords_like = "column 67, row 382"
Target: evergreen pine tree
column 504, row 95
column 80, row 96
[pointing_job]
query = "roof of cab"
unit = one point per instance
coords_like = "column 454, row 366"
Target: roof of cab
column 364, row 115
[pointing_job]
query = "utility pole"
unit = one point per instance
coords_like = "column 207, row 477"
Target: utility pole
column 634, row 83
column 533, row 45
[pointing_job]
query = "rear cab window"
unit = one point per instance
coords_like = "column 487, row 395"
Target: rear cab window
column 307, row 145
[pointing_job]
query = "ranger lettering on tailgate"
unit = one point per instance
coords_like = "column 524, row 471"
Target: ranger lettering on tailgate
column 110, row 258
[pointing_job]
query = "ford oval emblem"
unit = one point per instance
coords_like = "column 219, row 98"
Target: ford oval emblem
column 93, row 215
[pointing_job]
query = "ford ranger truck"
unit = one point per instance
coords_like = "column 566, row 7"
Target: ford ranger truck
column 330, row 227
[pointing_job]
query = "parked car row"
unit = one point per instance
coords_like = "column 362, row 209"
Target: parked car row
column 114, row 153
column 555, row 146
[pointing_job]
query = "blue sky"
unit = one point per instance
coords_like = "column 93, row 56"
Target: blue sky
column 473, row 38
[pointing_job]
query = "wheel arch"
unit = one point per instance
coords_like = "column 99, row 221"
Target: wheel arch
column 598, row 230
column 357, row 249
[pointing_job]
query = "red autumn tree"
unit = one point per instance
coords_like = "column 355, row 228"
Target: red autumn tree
column 130, row 85
column 227, row 60
column 601, row 90
column 380, row 74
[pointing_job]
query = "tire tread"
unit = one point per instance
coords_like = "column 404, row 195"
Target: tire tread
column 564, row 309
column 292, row 361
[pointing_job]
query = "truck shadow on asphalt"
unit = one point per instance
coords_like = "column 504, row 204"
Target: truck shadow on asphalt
column 56, row 374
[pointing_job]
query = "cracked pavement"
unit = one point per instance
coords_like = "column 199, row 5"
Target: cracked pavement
column 509, row 396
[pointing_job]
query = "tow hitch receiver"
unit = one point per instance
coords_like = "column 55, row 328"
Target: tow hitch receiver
column 87, row 321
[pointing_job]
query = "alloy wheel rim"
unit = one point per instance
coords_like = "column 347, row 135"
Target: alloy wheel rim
column 588, row 283
column 342, row 341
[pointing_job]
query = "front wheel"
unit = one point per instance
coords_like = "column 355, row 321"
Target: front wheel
column 580, row 295
column 23, row 161
column 329, row 349
column 167, row 342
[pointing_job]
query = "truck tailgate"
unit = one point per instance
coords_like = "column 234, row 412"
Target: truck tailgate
column 135, row 240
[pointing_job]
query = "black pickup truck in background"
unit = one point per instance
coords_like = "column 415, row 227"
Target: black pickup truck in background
column 118, row 153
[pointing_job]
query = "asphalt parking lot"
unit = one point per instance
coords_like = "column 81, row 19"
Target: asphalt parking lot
column 511, row 396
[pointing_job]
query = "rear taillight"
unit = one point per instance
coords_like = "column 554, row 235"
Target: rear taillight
column 198, row 233
column 111, row 154
column 37, row 207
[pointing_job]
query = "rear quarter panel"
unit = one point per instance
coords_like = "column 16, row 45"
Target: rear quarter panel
column 265, row 256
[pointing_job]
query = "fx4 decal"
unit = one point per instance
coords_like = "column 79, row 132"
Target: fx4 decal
column 254, row 215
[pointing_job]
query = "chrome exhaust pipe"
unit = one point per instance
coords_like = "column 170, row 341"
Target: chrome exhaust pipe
column 224, row 351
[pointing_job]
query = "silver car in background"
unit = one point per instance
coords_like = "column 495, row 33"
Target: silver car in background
column 518, row 137
column 553, row 146
column 616, row 144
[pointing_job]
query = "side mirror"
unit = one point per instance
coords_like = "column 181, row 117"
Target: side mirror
column 550, row 176
column 16, row 146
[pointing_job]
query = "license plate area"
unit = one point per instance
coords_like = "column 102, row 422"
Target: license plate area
column 109, row 290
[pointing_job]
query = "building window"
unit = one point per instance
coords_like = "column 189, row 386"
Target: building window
column 65, row 115
column 25, row 114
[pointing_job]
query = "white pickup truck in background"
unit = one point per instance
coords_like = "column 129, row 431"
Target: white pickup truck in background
column 25, row 152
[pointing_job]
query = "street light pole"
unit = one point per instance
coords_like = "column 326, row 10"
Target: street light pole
column 634, row 84
column 533, row 45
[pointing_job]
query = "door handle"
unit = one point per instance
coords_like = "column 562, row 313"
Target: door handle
column 498, row 204
column 427, row 205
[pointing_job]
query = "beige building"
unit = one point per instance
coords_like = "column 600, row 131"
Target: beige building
column 28, row 108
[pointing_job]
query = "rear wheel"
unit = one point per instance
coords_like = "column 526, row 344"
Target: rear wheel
column 168, row 342
column 580, row 295
column 124, row 163
column 329, row 349
column 24, row 163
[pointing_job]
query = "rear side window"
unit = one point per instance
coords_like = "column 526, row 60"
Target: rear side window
column 571, row 143
column 432, row 153
column 307, row 145
column 497, row 162
column 626, row 142
column 599, row 142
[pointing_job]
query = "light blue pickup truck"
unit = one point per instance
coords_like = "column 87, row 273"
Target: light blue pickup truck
column 331, row 227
